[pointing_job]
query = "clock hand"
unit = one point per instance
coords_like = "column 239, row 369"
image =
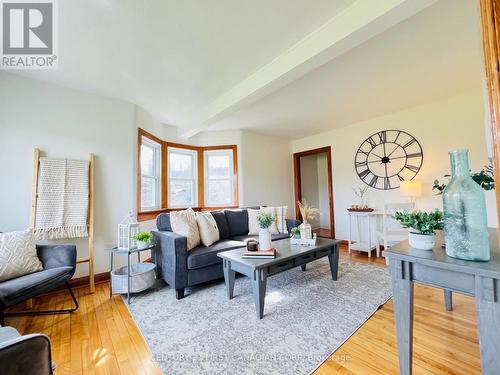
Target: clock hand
column 378, row 156
column 392, row 152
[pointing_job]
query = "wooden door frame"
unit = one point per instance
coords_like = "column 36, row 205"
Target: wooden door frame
column 490, row 34
column 297, row 181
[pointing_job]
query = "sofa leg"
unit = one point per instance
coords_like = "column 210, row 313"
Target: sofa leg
column 179, row 293
column 2, row 319
column 45, row 312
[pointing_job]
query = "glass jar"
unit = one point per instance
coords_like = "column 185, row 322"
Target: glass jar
column 465, row 221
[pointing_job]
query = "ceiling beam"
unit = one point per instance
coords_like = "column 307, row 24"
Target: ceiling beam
column 356, row 24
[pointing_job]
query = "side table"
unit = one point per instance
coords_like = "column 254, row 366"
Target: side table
column 129, row 252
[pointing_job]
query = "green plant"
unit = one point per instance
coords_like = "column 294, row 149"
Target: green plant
column 483, row 178
column 143, row 236
column 265, row 220
column 295, row 230
column 421, row 222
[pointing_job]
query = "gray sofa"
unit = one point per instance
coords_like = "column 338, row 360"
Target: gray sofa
column 181, row 268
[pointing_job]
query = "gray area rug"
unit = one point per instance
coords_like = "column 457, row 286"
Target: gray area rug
column 306, row 317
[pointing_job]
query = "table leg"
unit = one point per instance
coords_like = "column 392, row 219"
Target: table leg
column 488, row 323
column 129, row 278
column 402, row 287
column 369, row 236
column 229, row 276
column 138, row 257
column 448, row 300
column 303, row 267
column 259, row 291
column 350, row 235
column 333, row 259
column 111, row 270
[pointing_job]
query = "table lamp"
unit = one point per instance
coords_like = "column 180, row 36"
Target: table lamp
column 411, row 189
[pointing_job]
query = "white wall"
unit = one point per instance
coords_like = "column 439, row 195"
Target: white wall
column 71, row 124
column 67, row 123
column 457, row 122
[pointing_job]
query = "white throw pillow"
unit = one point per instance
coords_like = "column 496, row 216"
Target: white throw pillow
column 281, row 212
column 271, row 210
column 209, row 232
column 253, row 224
column 184, row 223
column 18, row 254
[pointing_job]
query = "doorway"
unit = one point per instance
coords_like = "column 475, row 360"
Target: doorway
column 314, row 186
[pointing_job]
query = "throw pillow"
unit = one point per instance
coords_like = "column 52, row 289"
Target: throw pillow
column 271, row 210
column 184, row 223
column 220, row 219
column 253, row 224
column 281, row 212
column 238, row 222
column 18, row 255
column 209, row 233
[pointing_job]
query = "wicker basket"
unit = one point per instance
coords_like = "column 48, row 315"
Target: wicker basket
column 143, row 277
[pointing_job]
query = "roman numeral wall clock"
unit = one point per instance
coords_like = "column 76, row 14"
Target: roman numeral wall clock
column 388, row 157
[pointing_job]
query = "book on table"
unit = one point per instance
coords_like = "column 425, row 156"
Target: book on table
column 260, row 254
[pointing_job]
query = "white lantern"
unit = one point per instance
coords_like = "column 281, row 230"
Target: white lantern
column 127, row 229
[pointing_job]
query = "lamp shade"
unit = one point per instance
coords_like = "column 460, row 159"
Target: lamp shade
column 412, row 189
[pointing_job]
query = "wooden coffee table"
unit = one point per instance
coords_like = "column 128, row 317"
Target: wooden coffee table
column 287, row 257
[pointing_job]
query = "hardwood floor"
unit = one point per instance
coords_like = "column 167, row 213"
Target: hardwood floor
column 102, row 338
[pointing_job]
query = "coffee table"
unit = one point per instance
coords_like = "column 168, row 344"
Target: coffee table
column 287, row 257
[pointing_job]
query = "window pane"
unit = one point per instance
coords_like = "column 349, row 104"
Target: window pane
column 181, row 193
column 219, row 192
column 148, row 192
column 147, row 160
column 180, row 165
column 219, row 166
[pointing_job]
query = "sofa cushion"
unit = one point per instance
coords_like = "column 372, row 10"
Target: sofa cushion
column 202, row 256
column 222, row 225
column 18, row 254
column 209, row 233
column 184, row 223
column 13, row 288
column 163, row 222
column 237, row 221
column 274, row 237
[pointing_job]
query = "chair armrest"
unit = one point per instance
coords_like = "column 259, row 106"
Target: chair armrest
column 171, row 257
column 53, row 256
column 28, row 354
column 292, row 223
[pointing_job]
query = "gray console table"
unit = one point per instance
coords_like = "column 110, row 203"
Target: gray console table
column 435, row 268
column 288, row 256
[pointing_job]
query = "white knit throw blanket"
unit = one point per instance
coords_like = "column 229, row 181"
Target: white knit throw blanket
column 63, row 199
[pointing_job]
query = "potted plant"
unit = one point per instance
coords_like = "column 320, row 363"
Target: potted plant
column 295, row 232
column 422, row 227
column 265, row 220
column 143, row 239
column 308, row 213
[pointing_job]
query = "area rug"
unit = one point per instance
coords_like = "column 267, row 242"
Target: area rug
column 306, row 317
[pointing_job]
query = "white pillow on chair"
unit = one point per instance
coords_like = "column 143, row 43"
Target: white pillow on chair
column 18, row 255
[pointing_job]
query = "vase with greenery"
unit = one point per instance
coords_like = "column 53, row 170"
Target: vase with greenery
column 360, row 193
column 465, row 221
column 422, row 227
column 143, row 239
column 308, row 214
column 265, row 220
column 295, row 232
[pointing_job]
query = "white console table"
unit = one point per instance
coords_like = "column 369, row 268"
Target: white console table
column 365, row 241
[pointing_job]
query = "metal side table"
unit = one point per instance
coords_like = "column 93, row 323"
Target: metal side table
column 129, row 272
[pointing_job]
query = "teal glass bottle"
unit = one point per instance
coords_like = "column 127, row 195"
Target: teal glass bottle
column 465, row 221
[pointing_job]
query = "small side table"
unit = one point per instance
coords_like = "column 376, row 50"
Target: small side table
column 129, row 252
column 365, row 241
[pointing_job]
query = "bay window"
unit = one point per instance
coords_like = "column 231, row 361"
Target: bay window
column 182, row 177
column 219, row 178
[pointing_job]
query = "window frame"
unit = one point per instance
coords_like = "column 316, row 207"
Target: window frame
column 194, row 179
column 157, row 143
column 217, row 152
column 143, row 215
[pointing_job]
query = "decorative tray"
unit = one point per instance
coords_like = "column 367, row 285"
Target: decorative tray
column 304, row 242
column 360, row 209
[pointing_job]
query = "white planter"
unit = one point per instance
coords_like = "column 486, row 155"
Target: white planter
column 422, row 241
column 305, row 231
column 142, row 244
column 264, row 239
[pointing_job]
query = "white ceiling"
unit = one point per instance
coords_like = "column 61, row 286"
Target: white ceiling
column 173, row 56
column 176, row 58
column 434, row 54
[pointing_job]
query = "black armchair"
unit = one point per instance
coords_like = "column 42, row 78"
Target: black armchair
column 59, row 265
